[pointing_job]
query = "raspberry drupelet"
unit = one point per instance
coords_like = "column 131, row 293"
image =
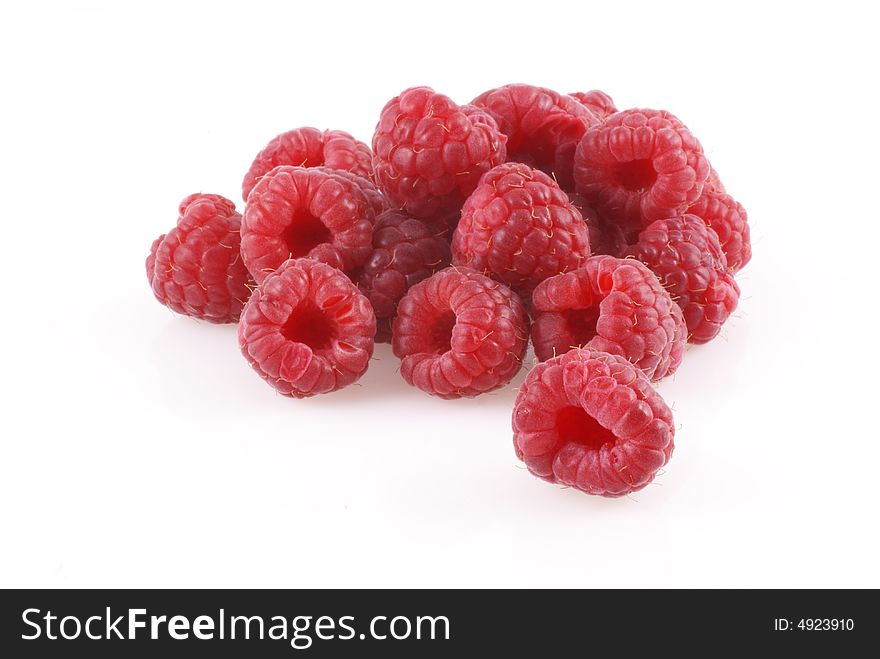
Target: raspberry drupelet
column 637, row 166
column 429, row 153
column 405, row 251
column 460, row 334
column 296, row 212
column 543, row 127
column 611, row 305
column 687, row 257
column 196, row 268
column 307, row 329
column 592, row 421
column 310, row 147
column 519, row 227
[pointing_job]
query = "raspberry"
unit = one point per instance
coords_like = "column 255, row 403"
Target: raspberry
column 729, row 220
column 429, row 153
column 542, row 126
column 687, row 257
column 405, row 251
column 307, row 329
column 592, row 421
column 310, row 147
column 196, row 268
column 605, row 237
column 597, row 101
column 520, row 228
column 459, row 333
column 639, row 166
column 611, row 305
column 296, row 212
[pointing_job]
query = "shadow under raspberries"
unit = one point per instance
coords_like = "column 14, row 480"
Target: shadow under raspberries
column 383, row 380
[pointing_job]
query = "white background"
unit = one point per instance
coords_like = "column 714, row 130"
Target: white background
column 138, row 449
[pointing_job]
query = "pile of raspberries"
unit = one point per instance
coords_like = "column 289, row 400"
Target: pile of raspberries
column 605, row 237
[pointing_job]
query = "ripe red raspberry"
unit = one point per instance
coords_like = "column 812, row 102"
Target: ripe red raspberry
column 597, row 101
column 460, row 334
column 405, row 251
column 592, row 421
column 687, row 257
column 307, row 329
column 542, row 126
column 612, row 305
column 605, row 237
column 729, row 220
column 196, row 268
column 519, row 227
column 429, row 153
column 296, row 212
column 310, row 147
column 638, row 166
